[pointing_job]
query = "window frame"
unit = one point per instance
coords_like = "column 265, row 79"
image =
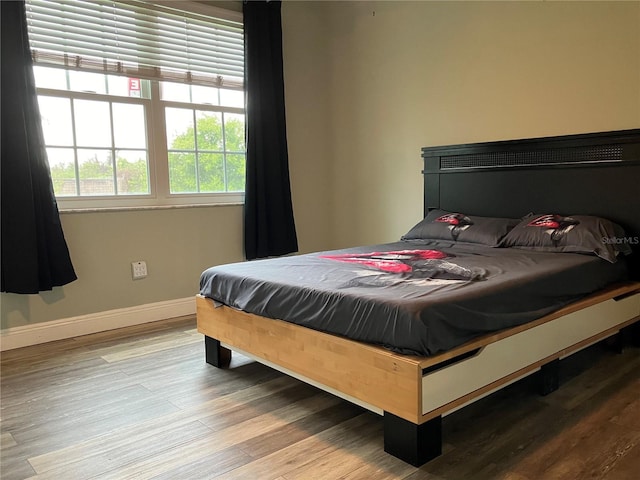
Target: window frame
column 157, row 149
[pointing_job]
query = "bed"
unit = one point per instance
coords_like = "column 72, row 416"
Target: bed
column 429, row 370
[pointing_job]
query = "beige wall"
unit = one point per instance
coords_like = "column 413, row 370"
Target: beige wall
column 364, row 93
column 308, row 113
column 177, row 245
column 409, row 74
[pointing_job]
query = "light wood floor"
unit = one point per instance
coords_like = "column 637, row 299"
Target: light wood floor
column 142, row 403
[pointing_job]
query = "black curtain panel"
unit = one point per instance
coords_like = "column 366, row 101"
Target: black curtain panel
column 269, row 228
column 35, row 256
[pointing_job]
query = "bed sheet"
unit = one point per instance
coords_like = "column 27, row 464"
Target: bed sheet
column 412, row 297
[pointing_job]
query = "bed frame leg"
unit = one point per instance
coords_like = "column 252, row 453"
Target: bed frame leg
column 216, row 354
column 634, row 333
column 414, row 444
column 631, row 335
column 616, row 342
column 549, row 377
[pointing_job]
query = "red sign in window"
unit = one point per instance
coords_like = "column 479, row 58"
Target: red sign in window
column 134, row 87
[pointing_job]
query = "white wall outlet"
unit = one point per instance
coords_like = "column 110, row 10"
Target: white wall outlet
column 138, row 270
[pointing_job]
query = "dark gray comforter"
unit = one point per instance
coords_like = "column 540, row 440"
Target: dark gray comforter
column 412, row 298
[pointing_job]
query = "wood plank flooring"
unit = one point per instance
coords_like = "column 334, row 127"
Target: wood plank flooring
column 141, row 403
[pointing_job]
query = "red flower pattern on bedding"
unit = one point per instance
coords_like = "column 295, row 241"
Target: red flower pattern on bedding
column 398, row 261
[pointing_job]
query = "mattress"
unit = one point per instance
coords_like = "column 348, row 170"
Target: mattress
column 411, row 298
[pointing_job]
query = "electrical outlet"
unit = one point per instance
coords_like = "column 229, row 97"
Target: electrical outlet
column 138, row 270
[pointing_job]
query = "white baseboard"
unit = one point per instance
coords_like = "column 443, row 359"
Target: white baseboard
column 37, row 333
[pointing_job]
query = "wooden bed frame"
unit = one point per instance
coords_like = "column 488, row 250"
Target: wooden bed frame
column 594, row 174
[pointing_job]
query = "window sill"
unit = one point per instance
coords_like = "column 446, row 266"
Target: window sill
column 64, row 211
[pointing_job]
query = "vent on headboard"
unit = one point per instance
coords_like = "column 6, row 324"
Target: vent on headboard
column 561, row 156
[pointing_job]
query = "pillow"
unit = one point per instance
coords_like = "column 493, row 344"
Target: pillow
column 458, row 227
column 575, row 234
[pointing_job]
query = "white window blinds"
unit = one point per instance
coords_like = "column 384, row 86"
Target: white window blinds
column 137, row 39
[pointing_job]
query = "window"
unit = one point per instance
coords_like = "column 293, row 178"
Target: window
column 141, row 104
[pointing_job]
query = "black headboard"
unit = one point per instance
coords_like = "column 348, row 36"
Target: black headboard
column 589, row 174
